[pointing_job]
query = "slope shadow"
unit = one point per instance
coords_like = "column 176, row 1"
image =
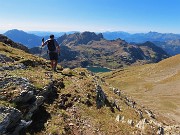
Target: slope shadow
column 39, row 118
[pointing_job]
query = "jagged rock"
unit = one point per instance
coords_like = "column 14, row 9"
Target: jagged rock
column 79, row 38
column 140, row 113
column 130, row 102
column 101, row 97
column 35, row 105
column 10, row 80
column 14, row 67
column 160, row 131
column 23, row 124
column 24, row 89
column 141, row 124
column 130, row 122
column 119, row 118
column 47, row 90
column 9, row 119
column 39, row 100
column 116, row 105
column 24, row 96
column 4, row 59
column 116, row 91
column 27, row 92
column 150, row 114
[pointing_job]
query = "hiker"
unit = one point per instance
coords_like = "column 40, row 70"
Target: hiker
column 53, row 50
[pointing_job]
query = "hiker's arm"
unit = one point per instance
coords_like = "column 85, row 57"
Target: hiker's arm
column 58, row 48
column 43, row 43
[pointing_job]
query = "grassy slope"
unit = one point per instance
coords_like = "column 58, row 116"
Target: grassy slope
column 98, row 121
column 153, row 85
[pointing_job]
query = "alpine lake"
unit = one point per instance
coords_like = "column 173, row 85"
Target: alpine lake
column 97, row 69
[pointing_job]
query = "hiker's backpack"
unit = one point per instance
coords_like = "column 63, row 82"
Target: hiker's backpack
column 51, row 46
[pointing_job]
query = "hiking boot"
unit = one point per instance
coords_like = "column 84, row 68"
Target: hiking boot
column 55, row 70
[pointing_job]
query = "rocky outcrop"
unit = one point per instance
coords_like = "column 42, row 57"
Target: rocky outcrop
column 79, row 38
column 101, row 97
column 157, row 53
column 10, row 118
column 27, row 98
column 9, row 42
column 14, row 67
column 4, row 59
column 90, row 49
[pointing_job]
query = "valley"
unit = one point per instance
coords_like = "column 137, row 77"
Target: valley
column 140, row 96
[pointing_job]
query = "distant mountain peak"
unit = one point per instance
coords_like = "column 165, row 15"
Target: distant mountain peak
column 79, row 38
column 29, row 40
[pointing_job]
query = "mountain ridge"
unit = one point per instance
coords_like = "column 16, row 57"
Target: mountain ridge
column 90, row 49
column 38, row 101
column 11, row 43
column 141, row 37
column 163, row 40
column 96, row 50
column 29, row 40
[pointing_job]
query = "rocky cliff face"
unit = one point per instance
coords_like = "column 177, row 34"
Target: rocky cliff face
column 34, row 100
column 90, row 49
column 172, row 47
column 79, row 38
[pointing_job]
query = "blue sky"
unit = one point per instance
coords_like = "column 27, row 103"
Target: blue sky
column 91, row 15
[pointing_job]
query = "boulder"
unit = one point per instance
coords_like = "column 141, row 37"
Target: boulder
column 101, row 97
column 150, row 114
column 160, row 131
column 4, row 59
column 9, row 119
column 130, row 122
column 141, row 124
column 119, row 118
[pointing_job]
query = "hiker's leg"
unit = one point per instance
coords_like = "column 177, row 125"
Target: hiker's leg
column 55, row 63
column 52, row 64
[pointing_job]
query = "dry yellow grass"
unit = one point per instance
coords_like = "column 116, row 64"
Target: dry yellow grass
column 153, row 85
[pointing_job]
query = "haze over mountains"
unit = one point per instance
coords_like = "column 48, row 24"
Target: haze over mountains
column 141, row 37
column 32, row 38
column 167, row 41
column 29, row 40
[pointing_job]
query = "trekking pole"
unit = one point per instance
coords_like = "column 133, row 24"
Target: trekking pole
column 41, row 51
column 41, row 46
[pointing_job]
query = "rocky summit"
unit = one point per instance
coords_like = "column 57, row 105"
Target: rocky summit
column 34, row 100
column 79, row 38
column 90, row 49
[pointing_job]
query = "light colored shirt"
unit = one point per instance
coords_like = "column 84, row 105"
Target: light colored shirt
column 55, row 43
